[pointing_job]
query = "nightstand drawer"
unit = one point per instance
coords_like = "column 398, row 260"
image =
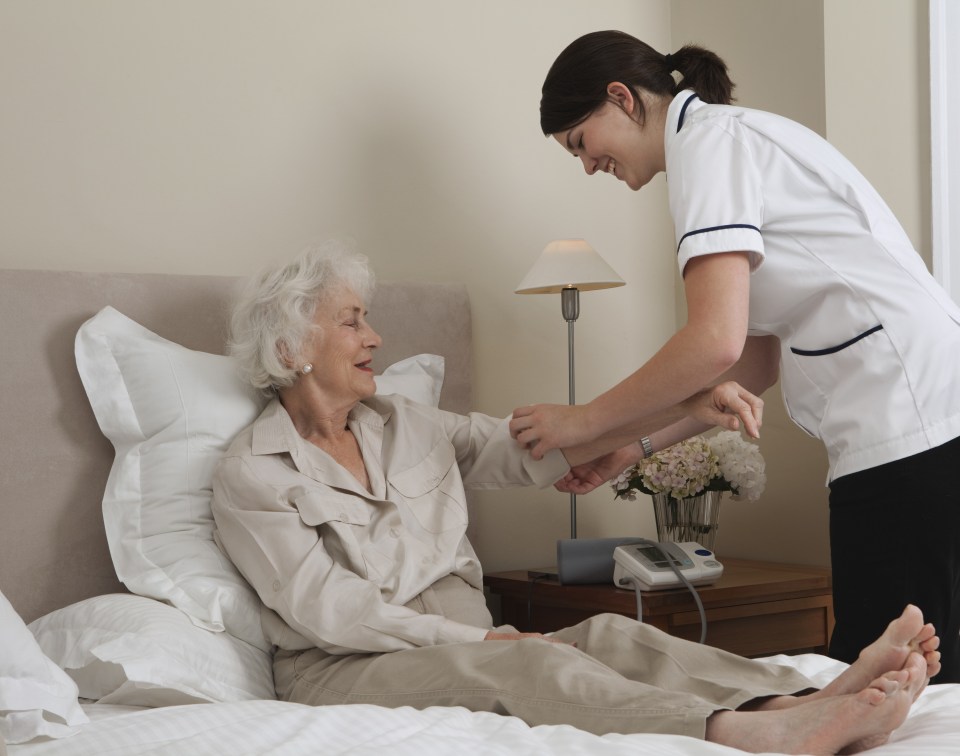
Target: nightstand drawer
column 774, row 627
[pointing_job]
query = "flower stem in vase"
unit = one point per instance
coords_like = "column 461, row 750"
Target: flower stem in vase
column 693, row 518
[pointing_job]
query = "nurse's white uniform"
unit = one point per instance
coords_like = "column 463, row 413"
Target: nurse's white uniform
column 870, row 343
column 870, row 351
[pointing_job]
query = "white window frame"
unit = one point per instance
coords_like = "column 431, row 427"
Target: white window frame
column 945, row 165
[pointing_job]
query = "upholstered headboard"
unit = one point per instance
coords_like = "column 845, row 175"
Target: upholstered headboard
column 54, row 461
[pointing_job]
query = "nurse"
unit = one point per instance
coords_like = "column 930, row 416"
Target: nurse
column 792, row 266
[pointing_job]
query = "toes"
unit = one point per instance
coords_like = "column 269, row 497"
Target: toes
column 907, row 680
column 877, row 694
column 915, row 665
column 933, row 663
column 917, row 668
column 897, row 677
column 925, row 640
column 926, row 644
column 890, row 682
column 907, row 627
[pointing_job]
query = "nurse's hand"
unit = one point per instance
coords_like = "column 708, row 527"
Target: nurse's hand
column 543, row 427
column 727, row 405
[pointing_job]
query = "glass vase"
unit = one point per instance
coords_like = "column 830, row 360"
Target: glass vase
column 695, row 518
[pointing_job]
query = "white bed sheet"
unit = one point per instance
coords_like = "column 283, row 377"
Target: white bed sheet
column 274, row 727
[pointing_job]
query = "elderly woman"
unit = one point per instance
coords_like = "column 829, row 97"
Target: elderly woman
column 346, row 512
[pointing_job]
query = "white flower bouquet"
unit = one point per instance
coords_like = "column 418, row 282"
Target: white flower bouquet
column 724, row 462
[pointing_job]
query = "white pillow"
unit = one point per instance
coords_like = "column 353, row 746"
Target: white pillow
column 170, row 413
column 36, row 697
column 419, row 378
column 126, row 649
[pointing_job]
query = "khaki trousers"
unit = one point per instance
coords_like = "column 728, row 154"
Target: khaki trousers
column 621, row 676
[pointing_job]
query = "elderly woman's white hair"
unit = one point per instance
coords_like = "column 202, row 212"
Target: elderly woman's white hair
column 274, row 314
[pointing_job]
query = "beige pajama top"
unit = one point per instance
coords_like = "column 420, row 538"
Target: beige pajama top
column 333, row 563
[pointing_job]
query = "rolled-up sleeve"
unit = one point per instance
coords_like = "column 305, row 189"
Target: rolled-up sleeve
column 489, row 457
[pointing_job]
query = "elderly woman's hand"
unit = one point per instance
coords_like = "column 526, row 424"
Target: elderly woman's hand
column 586, row 477
column 496, row 636
column 727, row 405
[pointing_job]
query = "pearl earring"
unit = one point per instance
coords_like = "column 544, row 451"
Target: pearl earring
column 308, row 368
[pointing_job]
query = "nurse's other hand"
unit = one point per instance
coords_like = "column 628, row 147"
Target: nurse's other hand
column 543, row 427
column 727, row 405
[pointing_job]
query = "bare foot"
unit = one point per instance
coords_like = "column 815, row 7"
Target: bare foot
column 890, row 652
column 847, row 723
column 915, row 665
column 904, row 636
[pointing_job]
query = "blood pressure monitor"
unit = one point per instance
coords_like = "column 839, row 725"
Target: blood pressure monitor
column 653, row 565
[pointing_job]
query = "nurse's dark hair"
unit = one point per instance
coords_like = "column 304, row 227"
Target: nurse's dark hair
column 576, row 84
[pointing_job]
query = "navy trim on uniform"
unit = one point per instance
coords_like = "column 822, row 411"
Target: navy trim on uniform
column 715, row 228
column 683, row 111
column 831, row 350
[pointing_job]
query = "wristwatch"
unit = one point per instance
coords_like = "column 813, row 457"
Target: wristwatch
column 647, row 446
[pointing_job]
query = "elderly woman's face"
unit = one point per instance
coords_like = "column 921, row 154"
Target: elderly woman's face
column 341, row 349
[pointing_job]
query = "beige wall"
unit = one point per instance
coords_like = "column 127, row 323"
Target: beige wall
column 878, row 101
column 212, row 136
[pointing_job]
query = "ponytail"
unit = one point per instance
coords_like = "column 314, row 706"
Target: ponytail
column 704, row 72
column 576, row 84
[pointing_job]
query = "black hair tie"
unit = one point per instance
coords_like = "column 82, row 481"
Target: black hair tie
column 669, row 62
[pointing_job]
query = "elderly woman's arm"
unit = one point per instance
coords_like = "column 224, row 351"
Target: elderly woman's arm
column 302, row 572
column 489, row 458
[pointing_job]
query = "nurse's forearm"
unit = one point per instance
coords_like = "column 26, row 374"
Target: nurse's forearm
column 674, row 434
column 662, row 431
column 756, row 370
column 626, row 438
column 646, row 400
column 717, row 288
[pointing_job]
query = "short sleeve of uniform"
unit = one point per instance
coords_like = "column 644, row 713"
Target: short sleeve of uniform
column 715, row 191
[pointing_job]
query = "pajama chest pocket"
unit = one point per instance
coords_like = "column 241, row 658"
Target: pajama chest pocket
column 433, row 491
column 321, row 508
column 343, row 525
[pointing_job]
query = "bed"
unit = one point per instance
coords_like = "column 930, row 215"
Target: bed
column 122, row 628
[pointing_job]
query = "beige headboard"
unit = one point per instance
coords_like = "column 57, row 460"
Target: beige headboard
column 53, row 459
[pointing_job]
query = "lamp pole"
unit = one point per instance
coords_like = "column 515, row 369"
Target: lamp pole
column 570, row 306
column 568, row 266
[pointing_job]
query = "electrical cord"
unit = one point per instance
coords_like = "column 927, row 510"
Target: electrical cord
column 636, row 589
column 696, row 596
column 673, row 562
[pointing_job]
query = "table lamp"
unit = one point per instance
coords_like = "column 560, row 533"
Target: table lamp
column 567, row 267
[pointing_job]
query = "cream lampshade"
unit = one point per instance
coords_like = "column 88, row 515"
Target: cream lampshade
column 569, row 266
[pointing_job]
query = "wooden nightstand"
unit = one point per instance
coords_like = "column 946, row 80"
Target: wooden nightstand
column 755, row 609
